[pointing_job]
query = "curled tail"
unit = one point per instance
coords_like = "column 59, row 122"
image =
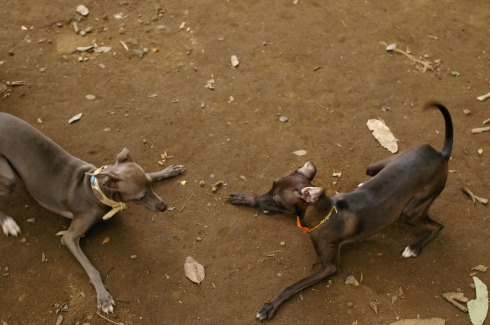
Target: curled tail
column 447, row 148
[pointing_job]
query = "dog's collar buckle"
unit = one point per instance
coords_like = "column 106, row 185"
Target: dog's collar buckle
column 116, row 206
column 304, row 228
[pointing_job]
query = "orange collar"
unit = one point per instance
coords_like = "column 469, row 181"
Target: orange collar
column 298, row 221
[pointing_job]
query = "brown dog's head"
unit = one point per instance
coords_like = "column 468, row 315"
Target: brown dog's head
column 288, row 194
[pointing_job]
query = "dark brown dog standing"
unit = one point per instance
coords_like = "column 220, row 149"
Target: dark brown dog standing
column 403, row 185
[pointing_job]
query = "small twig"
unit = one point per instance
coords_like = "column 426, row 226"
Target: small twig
column 315, row 102
column 425, row 64
column 270, row 254
column 109, row 320
column 451, row 297
column 486, row 121
column 473, row 197
column 392, row 309
column 483, row 97
column 480, row 130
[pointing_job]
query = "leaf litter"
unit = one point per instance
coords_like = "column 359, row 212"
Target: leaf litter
column 478, row 308
column 193, row 270
column 382, row 133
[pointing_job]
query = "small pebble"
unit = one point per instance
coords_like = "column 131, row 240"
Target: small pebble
column 466, row 111
column 202, row 183
column 350, row 304
column 283, row 119
column 82, row 10
column 283, row 243
column 90, row 97
column 198, row 238
column 139, row 53
column 134, row 256
column 234, row 61
column 480, row 152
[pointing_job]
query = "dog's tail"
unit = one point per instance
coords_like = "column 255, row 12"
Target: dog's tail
column 447, row 148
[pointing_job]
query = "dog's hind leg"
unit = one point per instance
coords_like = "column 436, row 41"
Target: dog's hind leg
column 7, row 185
column 377, row 166
column 416, row 214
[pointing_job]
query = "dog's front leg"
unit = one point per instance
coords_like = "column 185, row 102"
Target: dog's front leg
column 170, row 171
column 269, row 308
column 328, row 253
column 264, row 203
column 71, row 239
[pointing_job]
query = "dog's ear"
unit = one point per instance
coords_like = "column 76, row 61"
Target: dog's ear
column 108, row 180
column 123, row 157
column 308, row 170
column 311, row 194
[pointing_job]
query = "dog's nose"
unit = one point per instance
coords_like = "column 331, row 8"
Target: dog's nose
column 161, row 207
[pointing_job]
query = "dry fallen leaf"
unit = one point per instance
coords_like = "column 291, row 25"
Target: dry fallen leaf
column 383, row 134
column 478, row 308
column 105, row 241
column 193, row 270
column 374, row 306
column 394, row 299
column 480, row 268
column 351, row 280
column 75, row 118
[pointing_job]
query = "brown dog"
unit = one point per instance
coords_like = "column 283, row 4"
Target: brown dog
column 404, row 185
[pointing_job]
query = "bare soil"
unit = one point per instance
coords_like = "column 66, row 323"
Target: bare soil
column 319, row 63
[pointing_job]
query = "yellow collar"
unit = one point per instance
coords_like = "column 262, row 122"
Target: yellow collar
column 304, row 228
column 116, row 206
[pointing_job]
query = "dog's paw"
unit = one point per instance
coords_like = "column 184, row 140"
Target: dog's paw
column 106, row 303
column 174, row 170
column 266, row 312
column 239, row 199
column 409, row 252
column 10, row 227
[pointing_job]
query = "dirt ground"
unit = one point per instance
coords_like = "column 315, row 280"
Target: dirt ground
column 318, row 63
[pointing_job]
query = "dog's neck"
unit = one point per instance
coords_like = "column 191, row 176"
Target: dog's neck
column 108, row 199
column 317, row 212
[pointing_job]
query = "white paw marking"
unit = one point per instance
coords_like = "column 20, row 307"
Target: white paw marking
column 408, row 252
column 108, row 310
column 10, row 227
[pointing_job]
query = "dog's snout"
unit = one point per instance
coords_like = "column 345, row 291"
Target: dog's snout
column 161, row 207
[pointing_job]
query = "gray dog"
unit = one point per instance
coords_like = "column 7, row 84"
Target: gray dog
column 72, row 187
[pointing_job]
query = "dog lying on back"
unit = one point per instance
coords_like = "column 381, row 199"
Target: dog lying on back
column 403, row 186
column 73, row 188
